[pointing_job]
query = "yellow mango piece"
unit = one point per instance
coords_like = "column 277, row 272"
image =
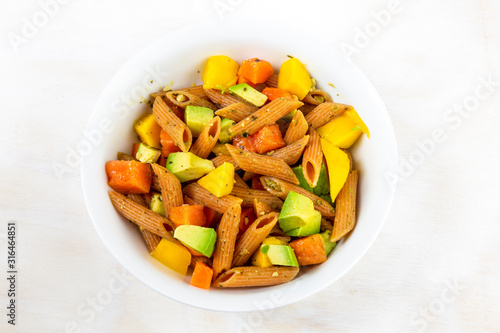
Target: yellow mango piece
column 294, row 78
column 174, row 256
column 338, row 165
column 260, row 259
column 357, row 119
column 220, row 181
column 220, row 72
column 148, row 130
column 341, row 132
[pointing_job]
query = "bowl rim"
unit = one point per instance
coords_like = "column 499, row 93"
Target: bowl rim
column 360, row 77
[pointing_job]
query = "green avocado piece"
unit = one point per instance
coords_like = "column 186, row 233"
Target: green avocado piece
column 157, row 205
column 188, row 166
column 197, row 238
column 327, row 243
column 323, row 186
column 197, row 117
column 298, row 216
column 248, row 93
column 281, row 255
column 226, row 136
column 147, row 154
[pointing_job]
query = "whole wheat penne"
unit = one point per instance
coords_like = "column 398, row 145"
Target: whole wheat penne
column 142, row 216
column 252, row 237
column 278, row 233
column 312, row 158
column 325, row 112
column 222, row 99
column 254, row 276
column 219, row 160
column 291, row 153
column 203, row 146
column 171, row 124
column 272, row 81
column 171, row 189
column 137, row 198
column 297, row 128
column 326, row 224
column 248, row 175
column 316, row 97
column 203, row 259
column 239, row 182
column 261, row 208
column 266, row 115
column 281, row 188
column 195, row 90
column 152, row 240
column 248, row 195
column 307, row 108
column 183, row 98
column 226, row 240
column 189, row 201
column 262, row 164
column 236, row 111
column 345, row 218
column 155, row 184
column 200, row 194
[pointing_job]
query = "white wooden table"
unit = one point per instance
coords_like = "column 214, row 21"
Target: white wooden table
column 434, row 268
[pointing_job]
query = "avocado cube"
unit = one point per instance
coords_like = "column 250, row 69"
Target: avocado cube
column 147, row 154
column 197, row 117
column 260, row 259
column 157, row 205
column 249, row 94
column 298, row 216
column 197, row 238
column 281, row 255
column 226, row 136
column 327, row 243
column 188, row 166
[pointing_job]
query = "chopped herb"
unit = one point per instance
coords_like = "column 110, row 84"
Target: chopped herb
column 254, row 118
column 244, row 134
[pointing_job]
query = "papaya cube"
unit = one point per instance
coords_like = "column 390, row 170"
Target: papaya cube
column 129, row 177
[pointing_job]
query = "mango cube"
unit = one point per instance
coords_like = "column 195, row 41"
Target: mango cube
column 148, row 130
column 294, row 78
column 338, row 165
column 220, row 72
column 219, row 182
column 174, row 256
column 342, row 131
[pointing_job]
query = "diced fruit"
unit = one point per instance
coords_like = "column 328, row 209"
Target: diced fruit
column 273, row 93
column 341, row 132
column 172, row 255
column 294, row 78
column 220, row 72
column 357, row 119
column 147, row 154
column 242, row 79
column 338, row 165
column 148, row 130
column 249, row 94
column 309, row 250
column 197, row 117
column 298, row 217
column 188, row 215
column 256, row 70
column 220, row 149
column 157, row 205
column 197, row 238
column 220, row 181
column 202, row 276
column 226, row 136
column 268, row 138
column 327, row 243
column 245, row 143
column 188, row 166
column 256, row 184
column 168, row 144
column 129, row 177
column 260, row 259
column 247, row 217
column 281, row 255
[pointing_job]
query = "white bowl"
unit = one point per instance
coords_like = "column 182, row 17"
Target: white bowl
column 177, row 60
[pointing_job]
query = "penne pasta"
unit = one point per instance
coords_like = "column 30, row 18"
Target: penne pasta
column 236, row 111
column 248, row 196
column 325, row 112
column 345, row 218
column 219, row 98
column 278, row 233
column 312, row 159
column 203, row 259
column 272, row 81
column 252, row 237
column 200, row 194
column 306, row 108
column 219, row 160
column 297, row 128
column 152, row 240
column 155, row 184
column 291, row 153
column 317, row 96
column 182, row 98
column 326, row 224
column 171, row 189
column 137, row 198
column 254, row 276
column 239, row 182
column 142, row 216
column 281, row 188
column 226, row 240
column 196, row 90
column 171, row 124
column 266, row 115
column 203, row 146
column 248, row 175
column 261, row 208
column 262, row 164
